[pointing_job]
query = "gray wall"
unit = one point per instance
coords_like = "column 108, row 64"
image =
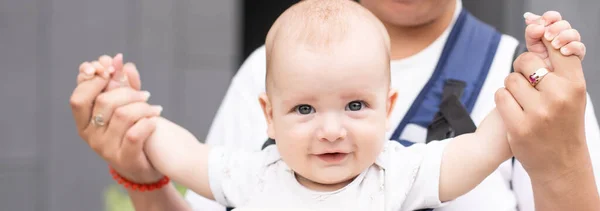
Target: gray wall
column 505, row 15
column 186, row 51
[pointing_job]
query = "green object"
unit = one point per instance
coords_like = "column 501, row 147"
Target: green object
column 117, row 199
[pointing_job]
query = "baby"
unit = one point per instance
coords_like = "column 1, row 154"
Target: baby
column 327, row 101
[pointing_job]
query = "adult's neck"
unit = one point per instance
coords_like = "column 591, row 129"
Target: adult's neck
column 410, row 40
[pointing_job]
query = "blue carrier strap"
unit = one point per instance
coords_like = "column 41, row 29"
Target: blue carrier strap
column 445, row 103
column 455, row 82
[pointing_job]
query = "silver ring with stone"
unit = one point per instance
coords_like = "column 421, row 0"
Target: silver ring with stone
column 537, row 76
column 98, row 120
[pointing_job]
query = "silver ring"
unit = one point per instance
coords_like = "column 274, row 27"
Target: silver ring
column 537, row 76
column 98, row 120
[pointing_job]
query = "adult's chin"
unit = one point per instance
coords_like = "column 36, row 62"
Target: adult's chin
column 407, row 13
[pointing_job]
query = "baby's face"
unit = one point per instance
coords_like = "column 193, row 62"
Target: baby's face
column 328, row 111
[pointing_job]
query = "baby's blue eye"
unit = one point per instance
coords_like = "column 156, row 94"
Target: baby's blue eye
column 355, row 105
column 304, row 109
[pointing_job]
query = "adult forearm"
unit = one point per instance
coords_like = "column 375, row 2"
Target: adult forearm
column 166, row 198
column 572, row 190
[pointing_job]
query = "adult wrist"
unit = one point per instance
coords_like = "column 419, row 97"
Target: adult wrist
column 562, row 167
column 574, row 190
column 138, row 176
column 136, row 185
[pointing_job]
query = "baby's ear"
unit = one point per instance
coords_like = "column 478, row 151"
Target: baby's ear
column 265, row 104
column 391, row 102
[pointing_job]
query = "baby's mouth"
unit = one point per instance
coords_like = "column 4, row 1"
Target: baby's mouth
column 333, row 158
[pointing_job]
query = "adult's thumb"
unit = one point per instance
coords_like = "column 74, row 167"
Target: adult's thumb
column 133, row 76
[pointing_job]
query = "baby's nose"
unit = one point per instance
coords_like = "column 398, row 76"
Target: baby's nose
column 332, row 129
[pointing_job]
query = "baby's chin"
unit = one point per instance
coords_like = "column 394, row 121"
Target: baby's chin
column 329, row 179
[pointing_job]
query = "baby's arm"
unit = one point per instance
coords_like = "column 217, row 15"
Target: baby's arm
column 468, row 159
column 175, row 152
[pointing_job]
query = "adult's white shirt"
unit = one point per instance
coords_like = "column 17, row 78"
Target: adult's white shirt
column 239, row 122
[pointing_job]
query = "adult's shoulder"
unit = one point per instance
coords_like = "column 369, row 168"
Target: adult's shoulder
column 503, row 59
column 507, row 45
column 251, row 75
column 255, row 63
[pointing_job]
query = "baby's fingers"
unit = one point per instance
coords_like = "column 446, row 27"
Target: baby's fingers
column 107, row 62
column 88, row 70
column 565, row 37
column 574, row 48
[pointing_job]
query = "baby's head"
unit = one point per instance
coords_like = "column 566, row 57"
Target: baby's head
column 328, row 90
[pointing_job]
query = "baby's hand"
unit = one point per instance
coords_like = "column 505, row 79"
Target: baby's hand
column 551, row 27
column 88, row 70
column 111, row 68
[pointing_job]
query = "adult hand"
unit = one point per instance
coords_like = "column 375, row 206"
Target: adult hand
column 111, row 132
column 545, row 34
column 542, row 108
column 546, row 122
column 546, row 130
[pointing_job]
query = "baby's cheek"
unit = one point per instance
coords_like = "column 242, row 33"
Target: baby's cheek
column 292, row 127
column 293, row 142
column 292, row 155
column 369, row 149
column 369, row 129
column 296, row 157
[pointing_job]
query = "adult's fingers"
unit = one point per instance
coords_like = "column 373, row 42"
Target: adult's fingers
column 126, row 116
column 527, row 64
column 131, row 72
column 510, row 110
column 119, row 79
column 132, row 145
column 82, row 100
column 107, row 102
column 122, row 75
column 117, row 76
column 118, row 62
column 133, row 76
column 526, row 96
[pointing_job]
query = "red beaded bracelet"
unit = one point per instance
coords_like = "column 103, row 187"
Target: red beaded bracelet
column 138, row 187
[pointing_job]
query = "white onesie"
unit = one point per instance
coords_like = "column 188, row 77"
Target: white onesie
column 402, row 178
